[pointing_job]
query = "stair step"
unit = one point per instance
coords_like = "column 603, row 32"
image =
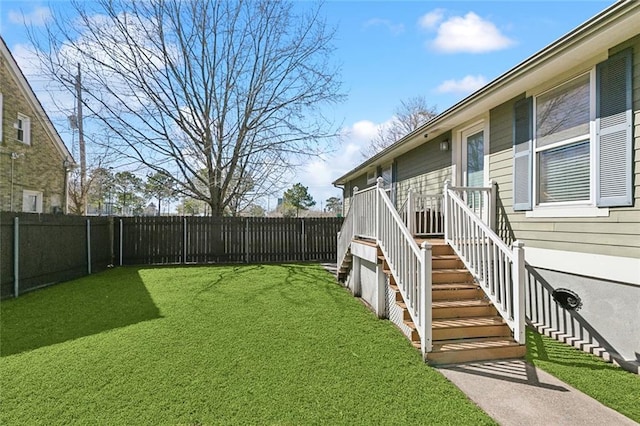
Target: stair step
column 456, row 291
column 462, row 308
column 478, row 349
column 447, row 261
column 414, row 337
column 451, row 275
column 470, row 327
column 438, row 246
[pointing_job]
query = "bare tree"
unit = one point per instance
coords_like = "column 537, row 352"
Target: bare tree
column 408, row 116
column 234, row 88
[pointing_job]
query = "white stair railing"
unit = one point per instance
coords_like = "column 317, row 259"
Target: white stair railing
column 344, row 238
column 424, row 213
column 409, row 264
column 498, row 269
column 372, row 215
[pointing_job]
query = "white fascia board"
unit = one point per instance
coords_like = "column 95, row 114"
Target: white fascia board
column 610, row 268
column 364, row 251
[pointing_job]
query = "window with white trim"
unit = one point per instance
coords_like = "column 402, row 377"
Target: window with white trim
column 371, row 176
column 23, row 129
column 563, row 142
column 31, row 201
column 573, row 145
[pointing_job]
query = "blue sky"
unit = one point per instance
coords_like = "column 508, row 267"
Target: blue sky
column 389, row 51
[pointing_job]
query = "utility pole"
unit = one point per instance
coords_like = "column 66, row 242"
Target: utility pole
column 83, row 159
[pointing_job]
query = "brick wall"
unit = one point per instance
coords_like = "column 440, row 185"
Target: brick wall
column 40, row 167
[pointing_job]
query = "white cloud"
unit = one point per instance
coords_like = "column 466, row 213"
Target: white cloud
column 39, row 16
column 319, row 173
column 431, row 19
column 393, row 28
column 470, row 34
column 468, row 84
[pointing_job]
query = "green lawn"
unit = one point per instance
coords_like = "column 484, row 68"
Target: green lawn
column 605, row 382
column 213, row 345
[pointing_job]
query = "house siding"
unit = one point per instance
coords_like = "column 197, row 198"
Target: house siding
column 423, row 169
column 360, row 182
column 40, row 167
column 615, row 235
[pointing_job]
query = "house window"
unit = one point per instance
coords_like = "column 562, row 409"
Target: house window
column 573, row 144
column 31, row 201
column 23, row 129
column 371, row 176
column 387, row 176
column 563, row 142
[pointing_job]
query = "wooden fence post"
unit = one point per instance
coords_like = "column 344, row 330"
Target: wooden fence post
column 16, row 256
column 184, row 240
column 302, row 237
column 111, row 243
column 246, row 239
column 121, row 243
column 88, row 247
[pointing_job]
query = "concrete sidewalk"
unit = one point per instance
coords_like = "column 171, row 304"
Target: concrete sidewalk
column 516, row 393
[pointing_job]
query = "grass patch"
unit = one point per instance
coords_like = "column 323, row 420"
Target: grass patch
column 263, row 344
column 611, row 385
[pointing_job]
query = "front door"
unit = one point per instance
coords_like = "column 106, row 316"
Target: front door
column 473, row 157
column 473, row 166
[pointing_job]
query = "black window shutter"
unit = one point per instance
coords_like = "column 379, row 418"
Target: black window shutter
column 523, row 154
column 614, row 131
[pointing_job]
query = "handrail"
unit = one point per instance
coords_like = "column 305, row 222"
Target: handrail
column 498, row 269
column 409, row 264
column 371, row 214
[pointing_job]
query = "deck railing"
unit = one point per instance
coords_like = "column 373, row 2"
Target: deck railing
column 498, row 268
column 480, row 200
column 372, row 215
column 364, row 219
column 344, row 238
column 410, row 266
column 427, row 215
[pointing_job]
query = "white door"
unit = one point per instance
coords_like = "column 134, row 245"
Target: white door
column 473, row 167
column 473, row 157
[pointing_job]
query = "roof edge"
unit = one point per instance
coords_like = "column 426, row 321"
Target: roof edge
column 554, row 48
column 35, row 102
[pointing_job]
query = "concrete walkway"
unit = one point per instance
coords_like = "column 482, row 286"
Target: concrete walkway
column 516, row 393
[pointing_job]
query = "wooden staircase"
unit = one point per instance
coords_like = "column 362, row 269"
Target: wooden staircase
column 465, row 326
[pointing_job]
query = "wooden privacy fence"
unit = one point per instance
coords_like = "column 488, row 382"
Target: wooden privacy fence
column 171, row 240
column 37, row 250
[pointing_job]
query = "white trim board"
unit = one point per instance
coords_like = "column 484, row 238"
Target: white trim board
column 611, row 268
column 364, row 251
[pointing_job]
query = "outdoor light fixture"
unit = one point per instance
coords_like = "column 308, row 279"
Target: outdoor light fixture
column 444, row 145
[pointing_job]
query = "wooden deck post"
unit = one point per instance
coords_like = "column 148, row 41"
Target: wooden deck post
column 355, row 277
column 381, row 292
column 447, row 211
column 411, row 214
column 492, row 208
column 518, row 275
column 379, row 187
column 426, row 340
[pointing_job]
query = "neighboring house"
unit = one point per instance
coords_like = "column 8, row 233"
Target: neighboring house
column 34, row 161
column 558, row 139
